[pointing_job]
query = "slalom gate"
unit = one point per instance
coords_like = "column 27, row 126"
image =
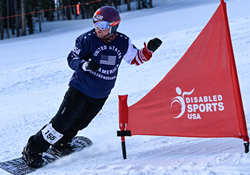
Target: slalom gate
column 199, row 97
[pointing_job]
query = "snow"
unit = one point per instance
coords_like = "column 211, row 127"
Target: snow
column 34, row 77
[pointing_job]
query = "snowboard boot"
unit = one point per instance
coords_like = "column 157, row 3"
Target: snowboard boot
column 63, row 148
column 32, row 155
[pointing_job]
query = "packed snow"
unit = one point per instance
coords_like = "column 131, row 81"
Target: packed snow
column 35, row 75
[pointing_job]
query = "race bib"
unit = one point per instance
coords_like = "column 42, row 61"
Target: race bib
column 50, row 134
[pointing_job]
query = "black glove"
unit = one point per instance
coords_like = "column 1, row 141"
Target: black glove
column 91, row 65
column 153, row 44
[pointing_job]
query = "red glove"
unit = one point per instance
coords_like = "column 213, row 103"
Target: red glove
column 142, row 56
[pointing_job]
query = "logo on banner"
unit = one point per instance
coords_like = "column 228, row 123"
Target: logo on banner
column 197, row 105
column 180, row 99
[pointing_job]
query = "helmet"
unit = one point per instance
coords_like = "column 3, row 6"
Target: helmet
column 107, row 17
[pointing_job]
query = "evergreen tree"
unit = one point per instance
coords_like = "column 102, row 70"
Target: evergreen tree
column 1, row 20
column 23, row 17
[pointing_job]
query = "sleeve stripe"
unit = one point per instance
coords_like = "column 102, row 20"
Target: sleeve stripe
column 142, row 56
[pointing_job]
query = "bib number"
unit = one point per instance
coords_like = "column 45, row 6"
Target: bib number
column 50, row 134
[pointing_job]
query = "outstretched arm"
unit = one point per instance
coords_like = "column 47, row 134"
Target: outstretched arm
column 145, row 53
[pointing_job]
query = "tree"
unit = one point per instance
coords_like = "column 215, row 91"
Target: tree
column 16, row 18
column 12, row 20
column 51, row 12
column 68, row 10
column 142, row 4
column 139, row 4
column 115, row 3
column 29, row 17
column 150, row 3
column 23, row 17
column 1, row 20
column 7, row 19
column 128, row 5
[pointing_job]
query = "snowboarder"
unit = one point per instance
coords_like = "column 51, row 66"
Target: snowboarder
column 95, row 60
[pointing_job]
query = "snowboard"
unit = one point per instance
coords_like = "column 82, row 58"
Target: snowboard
column 19, row 167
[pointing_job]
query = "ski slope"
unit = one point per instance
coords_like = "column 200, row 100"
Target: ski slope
column 35, row 75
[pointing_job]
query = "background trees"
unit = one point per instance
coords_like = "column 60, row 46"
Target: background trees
column 18, row 17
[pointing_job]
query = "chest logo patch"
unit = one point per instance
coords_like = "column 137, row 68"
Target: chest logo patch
column 108, row 60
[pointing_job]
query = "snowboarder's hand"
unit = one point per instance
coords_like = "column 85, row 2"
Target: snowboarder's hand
column 153, row 44
column 91, row 65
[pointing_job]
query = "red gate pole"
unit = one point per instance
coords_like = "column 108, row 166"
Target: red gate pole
column 123, row 120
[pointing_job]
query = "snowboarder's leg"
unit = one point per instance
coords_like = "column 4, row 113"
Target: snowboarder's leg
column 70, row 108
column 89, row 111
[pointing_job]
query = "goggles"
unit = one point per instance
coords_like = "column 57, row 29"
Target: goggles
column 104, row 25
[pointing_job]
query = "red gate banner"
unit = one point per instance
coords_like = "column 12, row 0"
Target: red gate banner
column 200, row 95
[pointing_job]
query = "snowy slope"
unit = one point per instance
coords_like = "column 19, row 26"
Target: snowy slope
column 34, row 77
